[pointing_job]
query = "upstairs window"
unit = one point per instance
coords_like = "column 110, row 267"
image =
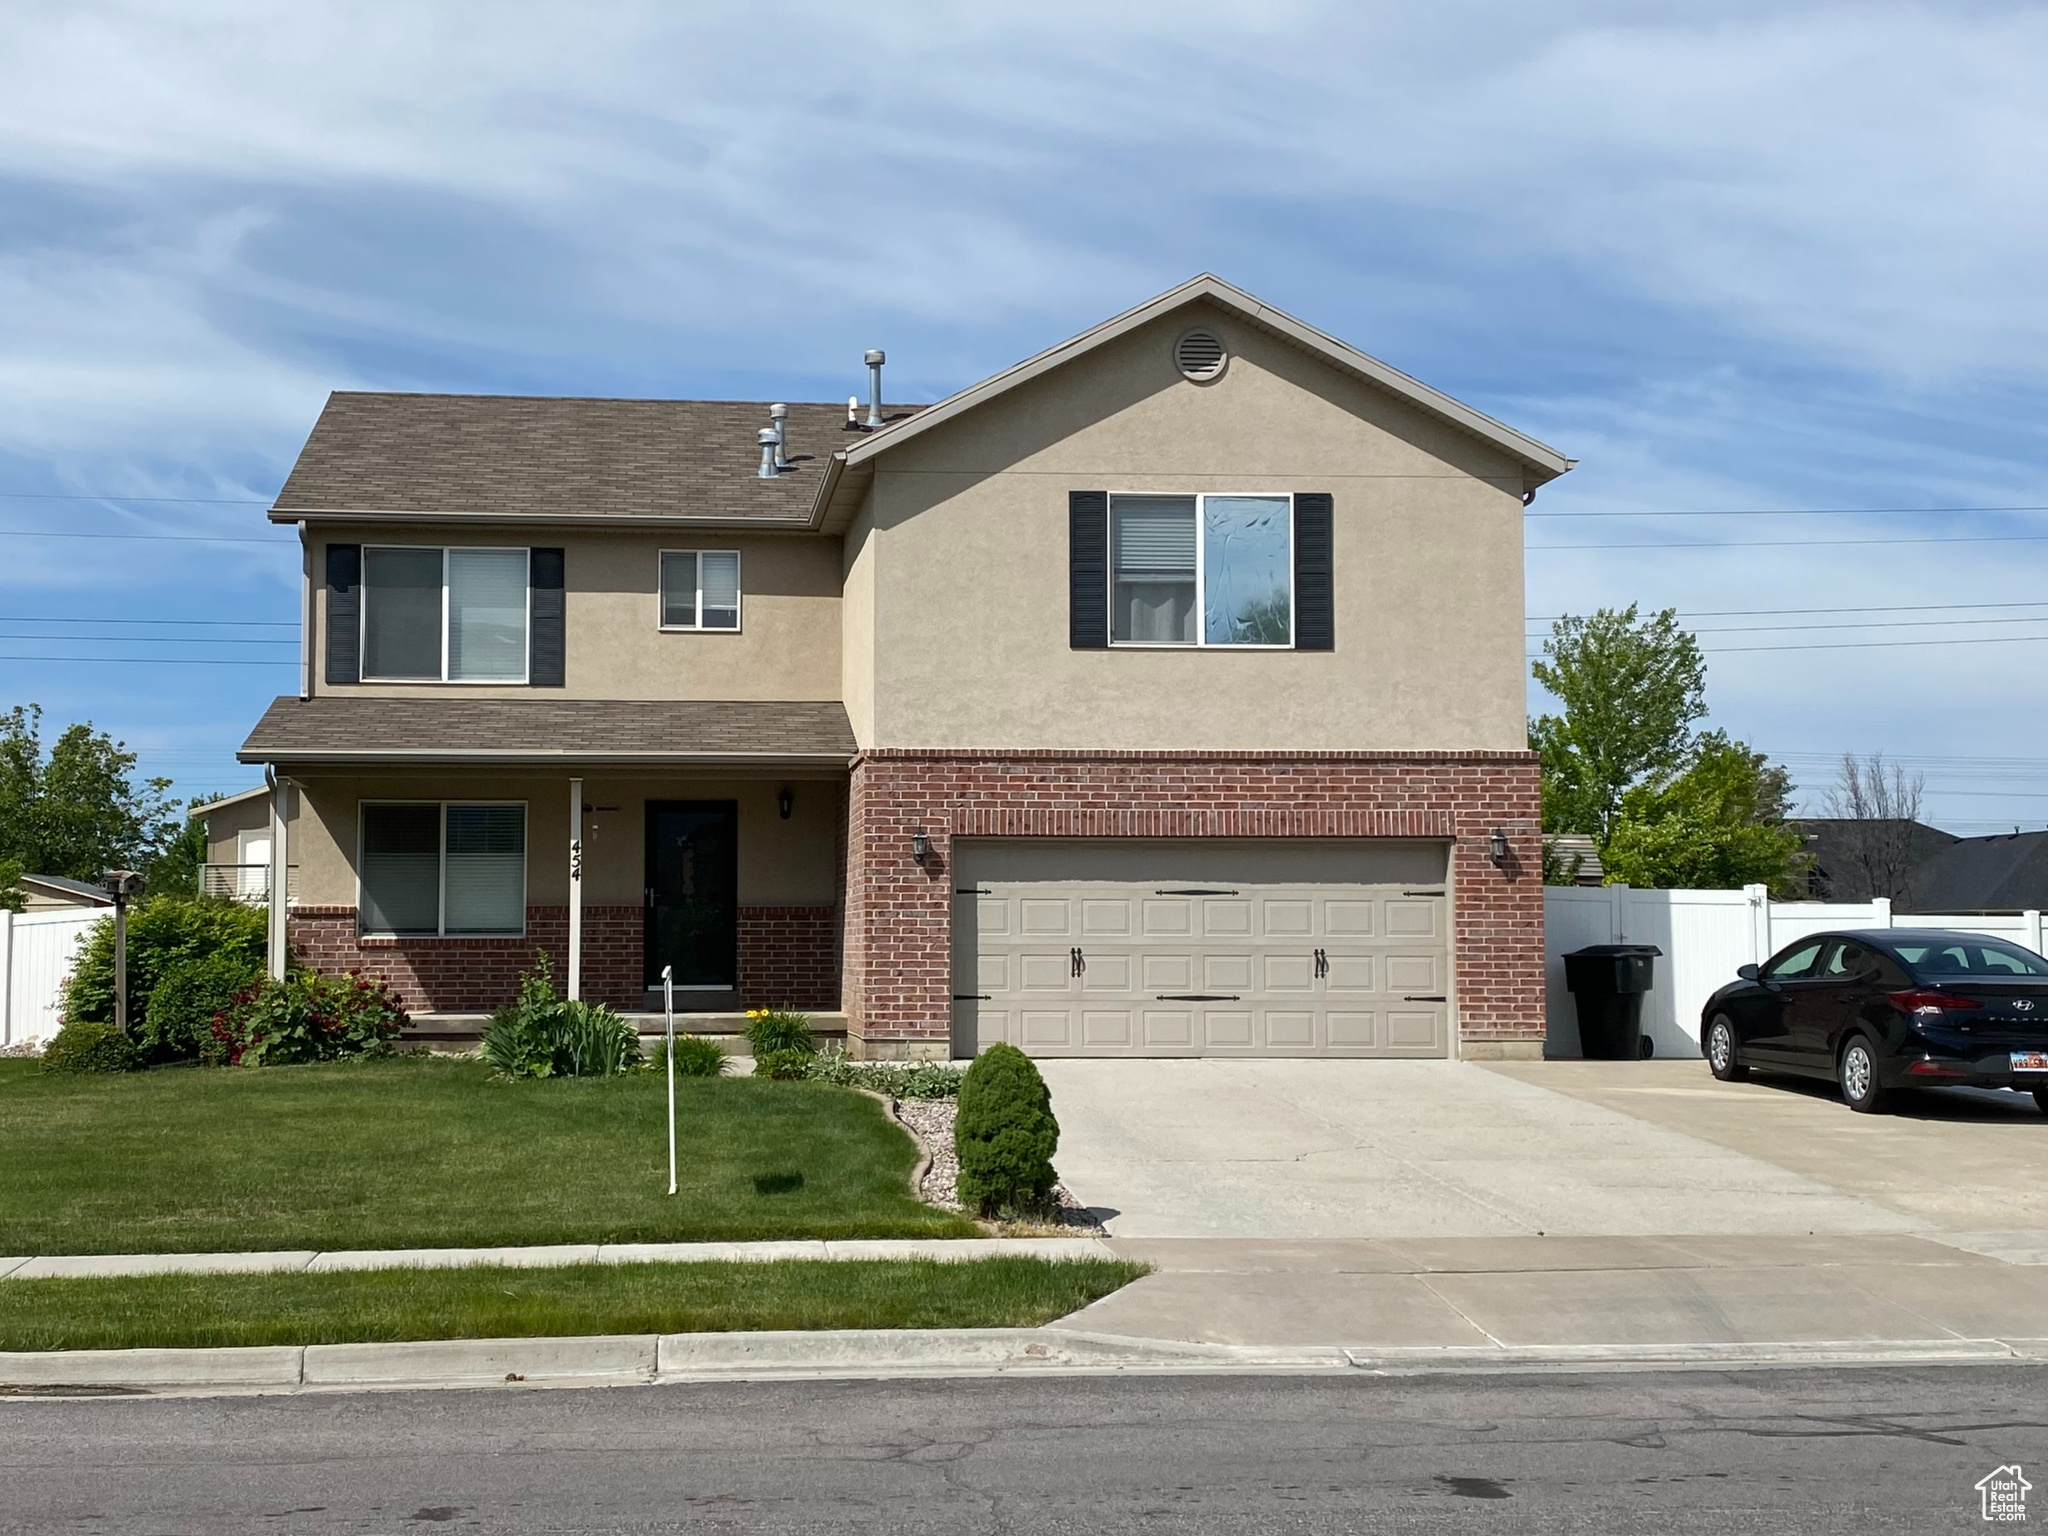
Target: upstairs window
column 445, row 615
column 1201, row 570
column 700, row 589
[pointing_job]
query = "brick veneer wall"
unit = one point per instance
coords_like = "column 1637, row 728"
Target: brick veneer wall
column 787, row 957
column 898, row 968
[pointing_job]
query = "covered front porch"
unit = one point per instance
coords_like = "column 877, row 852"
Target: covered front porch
column 447, row 875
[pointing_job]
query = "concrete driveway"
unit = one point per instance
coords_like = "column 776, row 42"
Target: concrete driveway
column 1429, row 1149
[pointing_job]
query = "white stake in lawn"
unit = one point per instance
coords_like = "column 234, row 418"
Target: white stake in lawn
column 668, row 1006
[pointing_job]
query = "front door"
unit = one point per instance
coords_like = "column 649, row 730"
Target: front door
column 693, row 892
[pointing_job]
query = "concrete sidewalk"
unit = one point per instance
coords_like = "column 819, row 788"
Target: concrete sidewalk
column 955, row 1250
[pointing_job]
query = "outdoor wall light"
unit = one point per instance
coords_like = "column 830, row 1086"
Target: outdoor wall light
column 785, row 802
column 1497, row 847
column 920, row 846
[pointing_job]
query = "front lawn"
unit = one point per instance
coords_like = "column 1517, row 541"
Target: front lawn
column 437, row 1153
column 383, row 1305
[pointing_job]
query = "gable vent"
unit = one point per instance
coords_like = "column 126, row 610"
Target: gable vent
column 1199, row 355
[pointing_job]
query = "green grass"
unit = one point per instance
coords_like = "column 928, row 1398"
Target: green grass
column 420, row 1152
column 212, row 1311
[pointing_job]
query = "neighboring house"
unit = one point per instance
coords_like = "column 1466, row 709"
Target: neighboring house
column 50, row 893
column 237, row 845
column 2005, row 872
column 1578, row 856
column 1161, row 695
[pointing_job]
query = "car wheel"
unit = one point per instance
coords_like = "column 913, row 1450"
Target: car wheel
column 1857, row 1073
column 1721, row 1056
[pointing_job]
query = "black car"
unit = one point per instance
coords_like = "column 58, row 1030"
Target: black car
column 1885, row 1008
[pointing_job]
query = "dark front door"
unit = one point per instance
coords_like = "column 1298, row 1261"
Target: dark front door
column 693, row 869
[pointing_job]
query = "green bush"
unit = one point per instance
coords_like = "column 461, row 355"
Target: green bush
column 898, row 1079
column 772, row 1030
column 84, row 1046
column 1005, row 1135
column 305, row 1017
column 178, row 1023
column 541, row 1035
column 162, row 931
column 695, row 1057
column 785, row 1066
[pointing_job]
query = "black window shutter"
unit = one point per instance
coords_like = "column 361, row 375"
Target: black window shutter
column 547, row 642
column 1315, row 618
column 344, row 613
column 1088, row 570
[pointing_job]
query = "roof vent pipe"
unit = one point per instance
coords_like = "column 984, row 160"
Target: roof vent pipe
column 874, row 359
column 766, row 437
column 779, row 414
column 853, row 413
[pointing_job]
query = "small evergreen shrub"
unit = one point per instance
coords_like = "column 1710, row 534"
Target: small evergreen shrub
column 305, row 1017
column 898, row 1079
column 541, row 1035
column 695, row 1057
column 162, row 931
column 86, row 1046
column 1005, row 1135
column 178, row 1024
column 771, row 1030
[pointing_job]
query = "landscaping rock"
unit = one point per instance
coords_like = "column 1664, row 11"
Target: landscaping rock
column 930, row 1123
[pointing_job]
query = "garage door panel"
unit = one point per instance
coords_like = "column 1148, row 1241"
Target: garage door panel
column 1297, row 967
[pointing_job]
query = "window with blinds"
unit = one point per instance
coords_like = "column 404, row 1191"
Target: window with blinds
column 1201, row 570
column 700, row 589
column 432, row 869
column 445, row 615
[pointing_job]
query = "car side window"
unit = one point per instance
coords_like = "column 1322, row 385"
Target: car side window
column 1794, row 963
column 1846, row 960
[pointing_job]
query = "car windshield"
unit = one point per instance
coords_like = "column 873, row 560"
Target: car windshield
column 1986, row 958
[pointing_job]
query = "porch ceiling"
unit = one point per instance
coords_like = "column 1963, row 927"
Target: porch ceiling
column 598, row 731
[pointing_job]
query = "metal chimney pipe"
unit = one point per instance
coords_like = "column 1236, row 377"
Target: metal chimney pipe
column 874, row 360
column 766, row 438
column 779, row 414
column 853, row 413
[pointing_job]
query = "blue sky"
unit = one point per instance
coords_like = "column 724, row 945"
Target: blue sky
column 1731, row 257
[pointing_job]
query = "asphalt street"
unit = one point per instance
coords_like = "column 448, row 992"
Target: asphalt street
column 1867, row 1449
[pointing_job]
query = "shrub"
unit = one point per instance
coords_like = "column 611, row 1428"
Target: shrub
column 772, row 1030
column 784, row 1066
column 178, row 1023
column 1005, row 1135
column 541, row 1035
column 898, row 1079
column 305, row 1017
column 85, row 1046
column 695, row 1057
column 162, row 931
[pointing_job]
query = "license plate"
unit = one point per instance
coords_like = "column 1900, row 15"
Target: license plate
column 2030, row 1061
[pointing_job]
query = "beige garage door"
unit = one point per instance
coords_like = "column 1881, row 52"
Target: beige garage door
column 1201, row 948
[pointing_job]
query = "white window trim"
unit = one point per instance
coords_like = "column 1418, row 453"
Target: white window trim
column 699, row 628
column 1200, row 642
column 441, row 870
column 363, row 623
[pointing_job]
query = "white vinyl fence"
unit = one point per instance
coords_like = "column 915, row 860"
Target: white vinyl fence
column 36, row 953
column 1705, row 935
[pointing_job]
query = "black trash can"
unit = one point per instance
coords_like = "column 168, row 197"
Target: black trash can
column 1608, row 982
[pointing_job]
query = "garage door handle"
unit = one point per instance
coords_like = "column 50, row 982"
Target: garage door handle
column 1416, row 997
column 1195, row 997
column 1322, row 964
column 970, row 997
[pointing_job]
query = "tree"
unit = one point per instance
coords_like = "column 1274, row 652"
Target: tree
column 1631, row 689
column 1878, row 844
column 1718, row 824
column 175, row 869
column 78, row 811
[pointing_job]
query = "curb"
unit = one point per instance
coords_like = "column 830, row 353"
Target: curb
column 853, row 1354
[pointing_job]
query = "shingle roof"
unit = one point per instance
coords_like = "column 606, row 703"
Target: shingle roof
column 2007, row 872
column 443, row 729
column 521, row 456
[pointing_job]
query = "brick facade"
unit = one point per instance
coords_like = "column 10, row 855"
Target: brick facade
column 787, row 958
column 898, row 966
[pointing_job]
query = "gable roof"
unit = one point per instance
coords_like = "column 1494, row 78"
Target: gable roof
column 66, row 889
column 510, row 459
column 234, row 799
column 2007, row 872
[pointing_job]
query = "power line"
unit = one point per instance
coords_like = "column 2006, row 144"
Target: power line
column 1854, row 645
column 1767, row 629
column 154, row 538
column 1793, row 512
column 53, row 618
column 1994, row 538
column 1731, row 613
column 164, row 661
column 160, row 639
column 183, row 501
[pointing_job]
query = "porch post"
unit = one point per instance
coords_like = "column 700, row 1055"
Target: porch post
column 575, row 888
column 280, row 876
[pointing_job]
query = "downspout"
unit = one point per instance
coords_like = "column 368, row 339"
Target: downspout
column 280, row 870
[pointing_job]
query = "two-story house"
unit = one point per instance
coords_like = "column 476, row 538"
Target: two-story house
column 1161, row 695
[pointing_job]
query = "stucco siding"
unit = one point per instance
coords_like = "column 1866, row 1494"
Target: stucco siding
column 857, row 642
column 787, row 646
column 969, row 548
